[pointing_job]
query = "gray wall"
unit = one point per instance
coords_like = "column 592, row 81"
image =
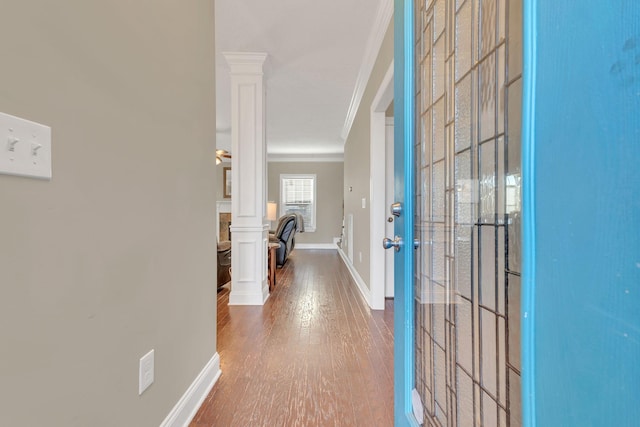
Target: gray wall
column 116, row 254
column 357, row 160
column 329, row 177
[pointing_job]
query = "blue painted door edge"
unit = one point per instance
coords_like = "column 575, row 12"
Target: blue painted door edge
column 528, row 213
column 403, row 134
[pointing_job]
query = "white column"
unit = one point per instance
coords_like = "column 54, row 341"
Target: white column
column 249, row 229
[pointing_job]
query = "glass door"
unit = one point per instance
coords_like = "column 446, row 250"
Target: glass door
column 462, row 167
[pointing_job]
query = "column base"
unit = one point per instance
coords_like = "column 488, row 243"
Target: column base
column 249, row 284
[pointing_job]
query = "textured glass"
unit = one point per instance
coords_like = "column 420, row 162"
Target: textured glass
column 487, row 93
column 502, row 18
column 463, row 261
column 438, row 185
column 450, row 90
column 487, row 267
column 440, row 376
column 514, row 320
column 515, row 250
column 515, row 418
column 475, row 29
column 465, row 399
column 476, row 307
column 426, row 251
column 514, row 41
column 500, row 284
column 515, row 122
column 438, row 317
column 439, row 18
column 487, row 26
column 438, row 61
column 488, row 359
column 487, row 182
column 464, row 334
column 469, row 187
column 427, row 139
column 463, row 40
column 438, row 245
column 463, row 114
column 438, row 131
column 502, row 362
column 424, row 192
column 464, row 187
column 513, row 183
column 501, row 94
column 426, row 67
column 500, row 180
column 489, row 411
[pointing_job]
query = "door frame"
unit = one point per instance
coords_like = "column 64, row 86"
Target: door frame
column 377, row 180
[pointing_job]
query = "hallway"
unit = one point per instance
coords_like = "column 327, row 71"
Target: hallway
column 313, row 355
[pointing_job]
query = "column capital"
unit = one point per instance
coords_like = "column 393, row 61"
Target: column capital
column 245, row 62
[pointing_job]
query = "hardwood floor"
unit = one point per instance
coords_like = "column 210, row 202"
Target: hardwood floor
column 313, row 355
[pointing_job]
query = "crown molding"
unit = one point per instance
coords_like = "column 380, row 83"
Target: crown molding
column 245, row 62
column 381, row 23
column 326, row 157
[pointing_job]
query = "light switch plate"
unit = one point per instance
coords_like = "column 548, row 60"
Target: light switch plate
column 364, row 203
column 25, row 147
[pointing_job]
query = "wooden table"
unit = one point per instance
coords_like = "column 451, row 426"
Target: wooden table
column 272, row 265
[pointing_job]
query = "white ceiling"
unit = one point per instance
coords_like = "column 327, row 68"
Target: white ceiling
column 315, row 50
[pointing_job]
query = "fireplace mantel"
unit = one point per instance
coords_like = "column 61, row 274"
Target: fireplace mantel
column 222, row 206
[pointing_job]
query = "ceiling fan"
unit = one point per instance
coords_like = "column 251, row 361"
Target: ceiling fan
column 220, row 154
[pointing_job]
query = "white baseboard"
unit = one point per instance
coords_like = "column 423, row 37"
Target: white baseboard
column 316, row 246
column 188, row 405
column 356, row 278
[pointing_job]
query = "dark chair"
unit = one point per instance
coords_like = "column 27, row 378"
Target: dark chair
column 284, row 235
column 224, row 263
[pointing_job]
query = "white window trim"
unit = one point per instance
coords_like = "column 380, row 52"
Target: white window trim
column 308, row 228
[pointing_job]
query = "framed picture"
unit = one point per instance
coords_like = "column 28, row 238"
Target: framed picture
column 226, row 182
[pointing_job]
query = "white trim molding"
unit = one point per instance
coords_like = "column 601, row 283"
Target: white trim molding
column 309, row 157
column 188, row 405
column 380, row 25
column 356, row 278
column 377, row 189
column 305, row 246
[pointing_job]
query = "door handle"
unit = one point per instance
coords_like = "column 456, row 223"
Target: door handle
column 396, row 209
column 396, row 243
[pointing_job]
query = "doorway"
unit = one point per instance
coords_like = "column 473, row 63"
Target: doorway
column 381, row 194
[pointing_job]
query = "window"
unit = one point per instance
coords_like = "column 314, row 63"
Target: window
column 298, row 195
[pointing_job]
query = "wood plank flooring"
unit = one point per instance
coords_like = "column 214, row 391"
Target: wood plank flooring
column 313, row 355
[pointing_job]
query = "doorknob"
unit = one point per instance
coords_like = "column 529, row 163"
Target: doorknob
column 396, row 209
column 396, row 243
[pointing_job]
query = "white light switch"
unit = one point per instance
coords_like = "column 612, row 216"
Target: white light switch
column 25, row 147
column 364, row 203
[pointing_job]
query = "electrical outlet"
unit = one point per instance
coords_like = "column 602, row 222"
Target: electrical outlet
column 146, row 372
